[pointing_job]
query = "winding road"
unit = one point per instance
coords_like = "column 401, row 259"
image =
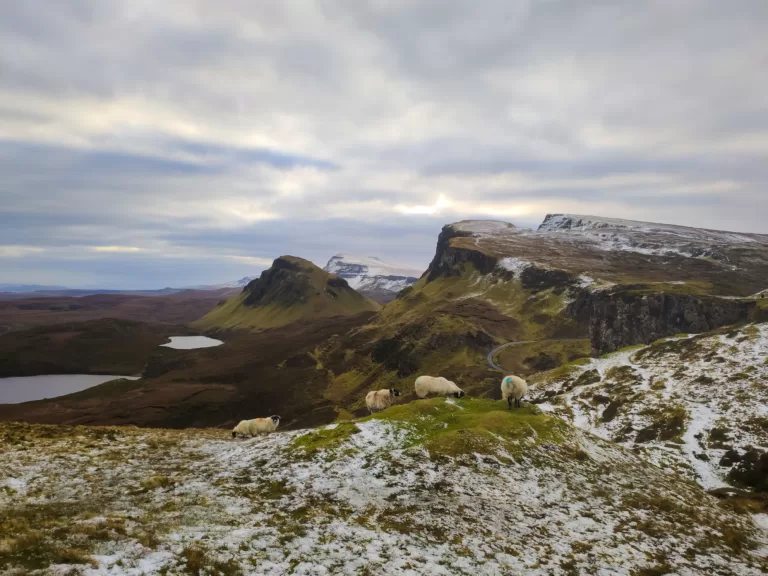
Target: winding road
column 492, row 353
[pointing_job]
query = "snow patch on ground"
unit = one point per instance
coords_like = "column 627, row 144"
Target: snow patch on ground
column 717, row 381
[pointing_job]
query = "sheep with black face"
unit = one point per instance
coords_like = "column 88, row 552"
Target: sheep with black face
column 378, row 400
column 256, row 426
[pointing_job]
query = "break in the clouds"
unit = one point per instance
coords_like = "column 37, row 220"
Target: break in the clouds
column 146, row 144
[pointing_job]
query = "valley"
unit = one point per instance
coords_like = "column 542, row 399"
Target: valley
column 642, row 441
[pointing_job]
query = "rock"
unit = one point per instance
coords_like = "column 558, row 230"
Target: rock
column 622, row 318
column 730, row 458
column 447, row 258
column 752, row 470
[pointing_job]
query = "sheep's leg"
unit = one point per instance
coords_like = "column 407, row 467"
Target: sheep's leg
column 509, row 403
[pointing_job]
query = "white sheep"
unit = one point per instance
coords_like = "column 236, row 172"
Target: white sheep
column 440, row 386
column 256, row 426
column 513, row 387
column 377, row 400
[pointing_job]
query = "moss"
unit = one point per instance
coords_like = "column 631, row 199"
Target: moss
column 475, row 426
column 325, row 439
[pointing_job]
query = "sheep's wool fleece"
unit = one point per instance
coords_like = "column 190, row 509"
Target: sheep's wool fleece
column 514, row 387
column 430, row 385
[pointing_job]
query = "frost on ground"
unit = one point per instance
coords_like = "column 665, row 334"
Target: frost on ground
column 697, row 405
column 429, row 487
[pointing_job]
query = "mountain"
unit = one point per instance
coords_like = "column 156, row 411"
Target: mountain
column 291, row 290
column 242, row 283
column 371, row 276
column 427, row 487
column 27, row 287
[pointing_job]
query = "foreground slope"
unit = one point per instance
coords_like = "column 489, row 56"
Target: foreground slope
column 429, row 487
column 291, row 290
column 697, row 405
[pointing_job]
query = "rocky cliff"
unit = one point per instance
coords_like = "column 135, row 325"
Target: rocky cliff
column 619, row 318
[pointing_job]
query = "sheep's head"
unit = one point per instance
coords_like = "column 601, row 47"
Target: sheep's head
column 275, row 419
column 458, row 394
column 393, row 392
column 234, row 434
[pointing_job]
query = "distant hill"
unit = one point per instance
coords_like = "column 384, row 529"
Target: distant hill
column 372, row 277
column 242, row 283
column 291, row 290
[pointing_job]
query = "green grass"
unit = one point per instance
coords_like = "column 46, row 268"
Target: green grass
column 473, row 426
column 691, row 288
column 313, row 442
column 544, row 355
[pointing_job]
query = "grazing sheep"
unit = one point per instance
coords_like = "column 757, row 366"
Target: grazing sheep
column 442, row 387
column 256, row 426
column 377, row 400
column 513, row 387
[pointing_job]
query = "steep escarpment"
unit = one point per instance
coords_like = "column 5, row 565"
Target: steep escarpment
column 623, row 317
column 291, row 290
column 627, row 282
column 449, row 257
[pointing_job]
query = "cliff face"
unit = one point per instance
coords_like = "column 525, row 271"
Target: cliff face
column 623, row 318
column 448, row 259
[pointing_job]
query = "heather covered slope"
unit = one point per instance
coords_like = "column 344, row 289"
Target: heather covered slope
column 697, row 405
column 292, row 290
column 430, row 487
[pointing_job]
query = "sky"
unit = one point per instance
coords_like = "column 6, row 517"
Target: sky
column 146, row 144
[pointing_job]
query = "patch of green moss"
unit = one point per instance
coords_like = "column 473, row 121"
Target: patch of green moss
column 325, row 439
column 474, row 426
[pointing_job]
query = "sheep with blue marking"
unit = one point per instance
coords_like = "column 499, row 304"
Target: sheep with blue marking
column 256, row 427
column 378, row 400
column 513, row 388
column 426, row 385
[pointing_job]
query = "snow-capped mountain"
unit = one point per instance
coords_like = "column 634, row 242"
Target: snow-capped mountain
column 372, row 276
column 649, row 238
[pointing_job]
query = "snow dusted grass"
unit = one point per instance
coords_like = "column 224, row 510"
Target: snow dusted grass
column 428, row 487
column 683, row 402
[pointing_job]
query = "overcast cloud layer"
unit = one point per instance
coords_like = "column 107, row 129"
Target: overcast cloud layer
column 145, row 143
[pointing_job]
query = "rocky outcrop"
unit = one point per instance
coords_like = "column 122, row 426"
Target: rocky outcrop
column 623, row 318
column 448, row 259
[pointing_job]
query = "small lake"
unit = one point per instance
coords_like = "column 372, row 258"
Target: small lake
column 191, row 342
column 27, row 388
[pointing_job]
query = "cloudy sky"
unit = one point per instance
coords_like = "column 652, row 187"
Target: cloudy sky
column 146, row 143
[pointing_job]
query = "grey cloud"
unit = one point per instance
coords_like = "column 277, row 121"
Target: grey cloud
column 257, row 128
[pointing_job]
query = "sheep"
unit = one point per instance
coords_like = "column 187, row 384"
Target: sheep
column 377, row 400
column 513, row 387
column 256, row 426
column 440, row 386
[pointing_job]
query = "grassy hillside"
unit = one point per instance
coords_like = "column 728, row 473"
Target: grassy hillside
column 430, row 487
column 292, row 290
column 446, row 327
